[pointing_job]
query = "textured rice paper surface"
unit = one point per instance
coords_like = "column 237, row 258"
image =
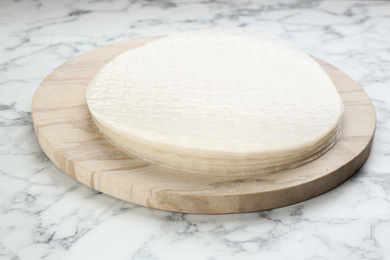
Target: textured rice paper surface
column 219, row 99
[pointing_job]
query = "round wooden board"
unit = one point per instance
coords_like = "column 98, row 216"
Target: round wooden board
column 70, row 139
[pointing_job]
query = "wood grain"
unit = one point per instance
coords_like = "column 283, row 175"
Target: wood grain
column 71, row 140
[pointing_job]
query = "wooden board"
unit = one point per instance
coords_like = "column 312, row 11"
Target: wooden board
column 70, row 139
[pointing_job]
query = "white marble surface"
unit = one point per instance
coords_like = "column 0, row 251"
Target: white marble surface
column 44, row 214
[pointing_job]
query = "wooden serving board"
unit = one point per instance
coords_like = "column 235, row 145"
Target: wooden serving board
column 70, row 139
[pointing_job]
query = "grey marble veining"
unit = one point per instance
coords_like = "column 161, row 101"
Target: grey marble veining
column 44, row 214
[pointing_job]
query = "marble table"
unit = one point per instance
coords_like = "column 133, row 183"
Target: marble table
column 44, row 214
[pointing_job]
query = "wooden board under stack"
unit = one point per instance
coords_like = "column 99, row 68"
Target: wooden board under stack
column 71, row 140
